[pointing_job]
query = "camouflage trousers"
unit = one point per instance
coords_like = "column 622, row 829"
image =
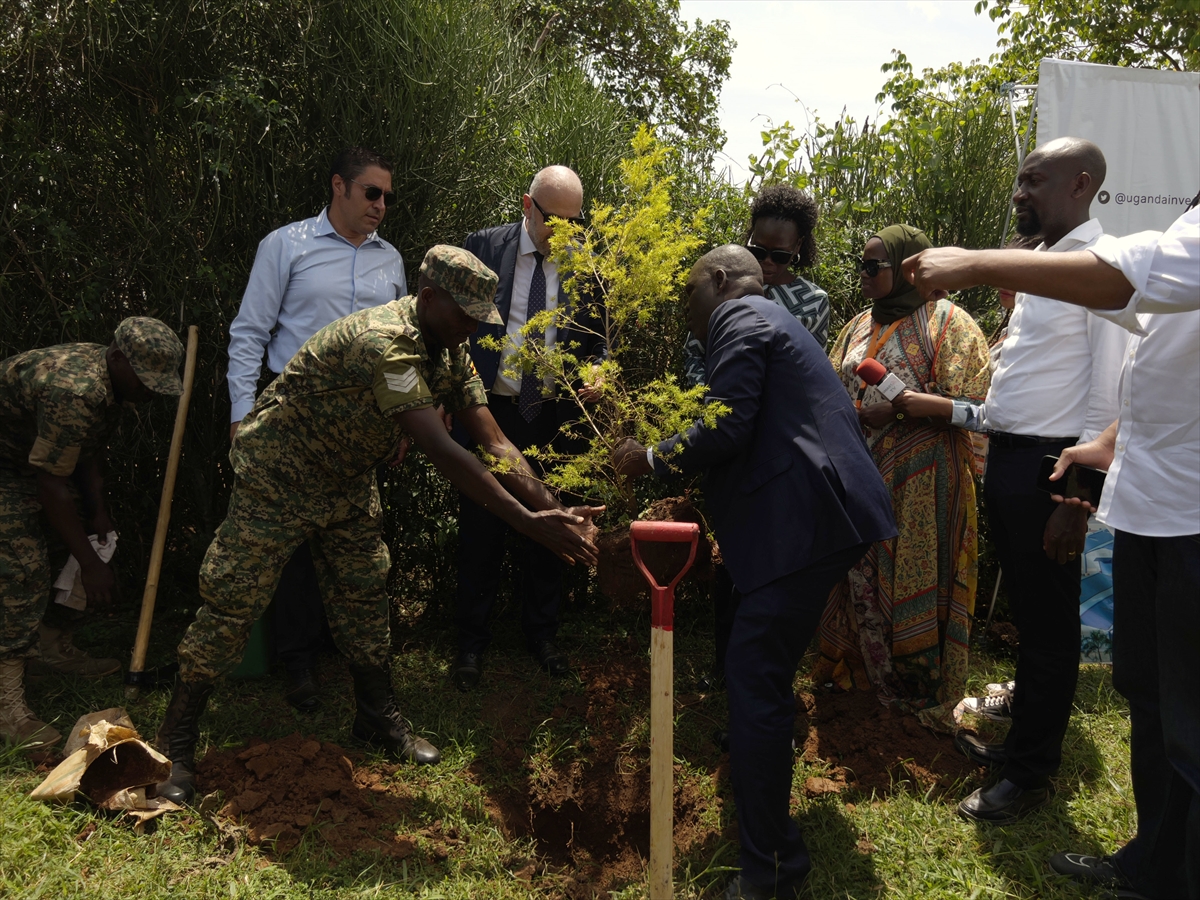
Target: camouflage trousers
column 25, row 575
column 260, row 533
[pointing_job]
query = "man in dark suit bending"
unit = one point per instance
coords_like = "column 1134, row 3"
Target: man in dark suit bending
column 528, row 413
column 795, row 500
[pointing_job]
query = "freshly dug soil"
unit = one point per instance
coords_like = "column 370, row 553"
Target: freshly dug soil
column 279, row 789
column 620, row 579
column 870, row 747
column 576, row 779
column 590, row 810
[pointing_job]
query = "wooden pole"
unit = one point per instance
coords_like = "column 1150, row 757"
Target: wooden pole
column 662, row 756
column 138, row 663
column 662, row 700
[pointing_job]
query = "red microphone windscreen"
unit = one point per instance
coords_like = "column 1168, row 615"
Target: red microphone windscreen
column 871, row 371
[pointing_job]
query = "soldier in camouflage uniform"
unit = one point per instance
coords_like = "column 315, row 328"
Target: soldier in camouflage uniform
column 304, row 461
column 58, row 406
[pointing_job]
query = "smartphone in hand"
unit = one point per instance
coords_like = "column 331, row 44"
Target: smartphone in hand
column 1079, row 481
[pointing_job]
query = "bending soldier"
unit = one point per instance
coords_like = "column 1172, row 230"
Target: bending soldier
column 58, row 406
column 304, row 461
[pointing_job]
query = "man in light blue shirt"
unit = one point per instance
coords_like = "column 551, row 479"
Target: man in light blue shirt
column 306, row 275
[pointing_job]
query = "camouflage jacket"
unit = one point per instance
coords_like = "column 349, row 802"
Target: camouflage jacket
column 56, row 405
column 318, row 432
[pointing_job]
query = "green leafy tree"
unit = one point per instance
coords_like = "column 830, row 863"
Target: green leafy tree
column 629, row 259
column 661, row 69
column 1155, row 34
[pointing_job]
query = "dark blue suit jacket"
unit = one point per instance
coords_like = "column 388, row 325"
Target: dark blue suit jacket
column 787, row 474
column 497, row 249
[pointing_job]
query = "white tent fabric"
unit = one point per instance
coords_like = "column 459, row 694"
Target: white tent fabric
column 1147, row 122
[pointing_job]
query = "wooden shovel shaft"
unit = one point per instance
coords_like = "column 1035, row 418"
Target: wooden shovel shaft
column 662, row 756
column 138, row 663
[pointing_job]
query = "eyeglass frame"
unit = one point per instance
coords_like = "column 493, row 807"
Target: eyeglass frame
column 389, row 197
column 866, row 265
column 788, row 256
column 574, row 220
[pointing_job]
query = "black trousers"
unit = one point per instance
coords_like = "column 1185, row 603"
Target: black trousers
column 772, row 628
column 1044, row 600
column 298, row 623
column 481, row 541
column 1156, row 667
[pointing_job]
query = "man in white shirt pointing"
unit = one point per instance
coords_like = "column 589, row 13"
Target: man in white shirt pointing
column 1150, row 283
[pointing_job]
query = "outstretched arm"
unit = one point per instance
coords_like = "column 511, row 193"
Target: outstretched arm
column 566, row 532
column 1078, row 277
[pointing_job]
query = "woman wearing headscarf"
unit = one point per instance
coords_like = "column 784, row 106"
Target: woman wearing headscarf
column 900, row 622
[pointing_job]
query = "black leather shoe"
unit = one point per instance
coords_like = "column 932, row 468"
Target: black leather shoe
column 378, row 722
column 467, row 669
column 989, row 755
column 713, row 681
column 1002, row 803
column 721, row 739
column 550, row 658
column 741, row 889
column 1094, row 869
column 302, row 690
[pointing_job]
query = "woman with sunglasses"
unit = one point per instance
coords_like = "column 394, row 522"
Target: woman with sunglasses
column 900, row 622
column 780, row 236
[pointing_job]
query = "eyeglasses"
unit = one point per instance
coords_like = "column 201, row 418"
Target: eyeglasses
column 779, row 257
column 871, row 267
column 373, row 193
column 574, row 220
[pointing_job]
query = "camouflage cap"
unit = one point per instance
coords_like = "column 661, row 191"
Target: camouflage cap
column 469, row 281
column 153, row 351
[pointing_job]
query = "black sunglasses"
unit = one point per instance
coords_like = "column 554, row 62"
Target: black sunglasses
column 574, row 220
column 373, row 193
column 779, row 257
column 871, row 267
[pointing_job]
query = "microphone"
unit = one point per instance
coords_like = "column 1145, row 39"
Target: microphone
column 872, row 371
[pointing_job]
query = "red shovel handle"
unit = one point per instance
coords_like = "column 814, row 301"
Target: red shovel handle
column 662, row 609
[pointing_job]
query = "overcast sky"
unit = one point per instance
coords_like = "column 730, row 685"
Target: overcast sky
column 826, row 54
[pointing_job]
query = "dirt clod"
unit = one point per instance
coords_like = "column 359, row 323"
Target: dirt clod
column 279, row 789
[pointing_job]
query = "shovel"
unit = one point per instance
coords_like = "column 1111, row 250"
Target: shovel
column 662, row 676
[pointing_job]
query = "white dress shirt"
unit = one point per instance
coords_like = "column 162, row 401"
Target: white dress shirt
column 1163, row 267
column 518, row 310
column 305, row 275
column 1153, row 485
column 1058, row 367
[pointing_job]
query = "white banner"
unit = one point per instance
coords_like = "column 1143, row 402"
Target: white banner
column 1147, row 123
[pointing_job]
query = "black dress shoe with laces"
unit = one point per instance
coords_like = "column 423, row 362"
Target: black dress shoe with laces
column 550, row 658
column 302, row 690
column 989, row 755
column 1003, row 803
column 467, row 669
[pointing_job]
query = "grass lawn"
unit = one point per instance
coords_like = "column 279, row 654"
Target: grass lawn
column 512, row 810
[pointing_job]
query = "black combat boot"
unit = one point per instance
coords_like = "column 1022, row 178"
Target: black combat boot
column 177, row 737
column 378, row 722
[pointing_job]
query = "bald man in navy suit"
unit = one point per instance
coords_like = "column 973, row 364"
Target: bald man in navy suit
column 796, row 501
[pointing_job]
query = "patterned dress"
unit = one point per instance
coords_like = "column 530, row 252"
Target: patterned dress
column 901, row 621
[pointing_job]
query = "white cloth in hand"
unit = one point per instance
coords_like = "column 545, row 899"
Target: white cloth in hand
column 68, row 586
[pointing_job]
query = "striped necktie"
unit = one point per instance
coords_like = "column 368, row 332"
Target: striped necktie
column 531, row 385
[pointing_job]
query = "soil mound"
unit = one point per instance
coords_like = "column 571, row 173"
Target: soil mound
column 620, row 579
column 588, row 807
column 870, row 747
column 280, row 789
